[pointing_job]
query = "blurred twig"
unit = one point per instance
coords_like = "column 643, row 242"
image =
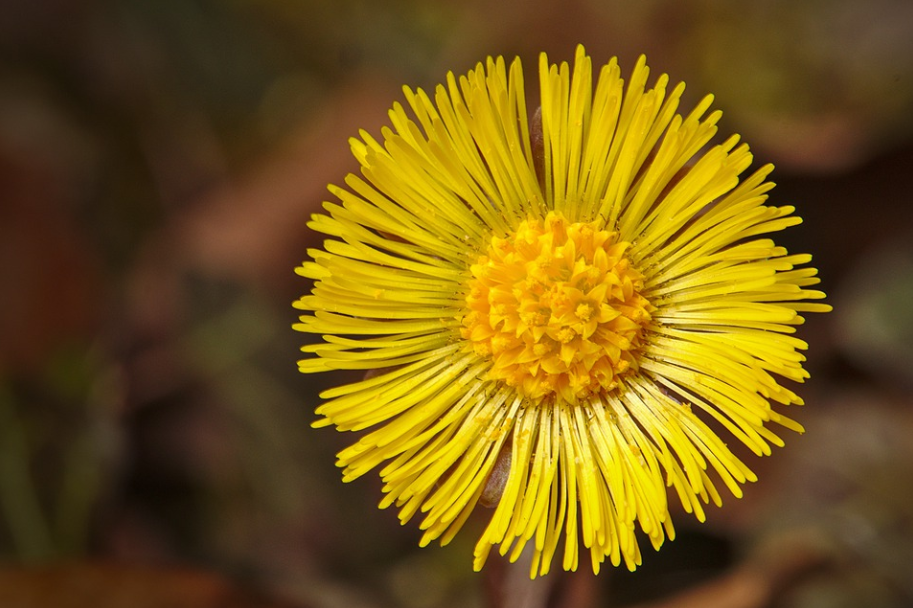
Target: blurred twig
column 18, row 494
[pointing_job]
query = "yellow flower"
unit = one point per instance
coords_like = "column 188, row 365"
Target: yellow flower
column 585, row 303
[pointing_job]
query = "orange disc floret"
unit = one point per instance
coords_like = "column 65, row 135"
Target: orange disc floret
column 557, row 307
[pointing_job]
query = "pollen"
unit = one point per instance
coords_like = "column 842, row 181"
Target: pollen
column 557, row 308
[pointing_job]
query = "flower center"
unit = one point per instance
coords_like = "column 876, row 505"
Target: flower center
column 557, row 308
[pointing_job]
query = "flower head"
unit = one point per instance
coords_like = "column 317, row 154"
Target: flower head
column 585, row 298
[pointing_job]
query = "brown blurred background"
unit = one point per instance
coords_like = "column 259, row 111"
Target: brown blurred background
column 158, row 162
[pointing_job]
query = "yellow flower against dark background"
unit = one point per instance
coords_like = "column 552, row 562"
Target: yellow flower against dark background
column 583, row 299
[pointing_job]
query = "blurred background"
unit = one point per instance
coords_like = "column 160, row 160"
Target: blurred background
column 158, row 162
